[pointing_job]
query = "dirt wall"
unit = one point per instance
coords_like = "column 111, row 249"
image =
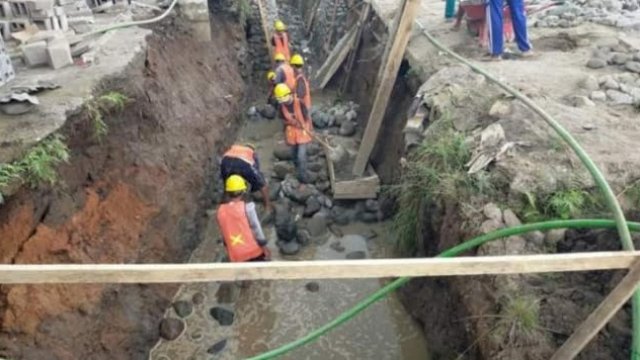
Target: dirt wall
column 138, row 195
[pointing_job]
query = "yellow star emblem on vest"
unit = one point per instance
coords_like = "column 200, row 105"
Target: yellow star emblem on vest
column 236, row 240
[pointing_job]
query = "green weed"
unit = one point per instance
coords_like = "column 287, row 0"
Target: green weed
column 38, row 165
column 518, row 320
column 633, row 194
column 567, row 204
column 243, row 10
column 105, row 103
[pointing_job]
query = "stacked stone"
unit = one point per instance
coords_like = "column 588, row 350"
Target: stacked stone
column 619, row 89
column 618, row 13
column 323, row 23
column 339, row 119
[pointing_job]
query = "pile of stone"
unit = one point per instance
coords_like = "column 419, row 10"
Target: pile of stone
column 339, row 119
column 622, row 88
column 618, row 13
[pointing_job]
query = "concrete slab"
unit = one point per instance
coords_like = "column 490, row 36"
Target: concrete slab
column 19, row 133
column 59, row 53
column 35, row 54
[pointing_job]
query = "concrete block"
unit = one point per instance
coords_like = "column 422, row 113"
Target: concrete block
column 35, row 54
column 64, row 24
column 59, row 53
column 58, row 11
column 5, row 10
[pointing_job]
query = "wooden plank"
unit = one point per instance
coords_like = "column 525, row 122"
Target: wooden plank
column 334, row 60
column 312, row 17
column 362, row 188
column 330, row 269
column 391, row 67
column 332, row 26
column 391, row 34
column 600, row 316
column 364, row 15
column 330, row 168
column 265, row 28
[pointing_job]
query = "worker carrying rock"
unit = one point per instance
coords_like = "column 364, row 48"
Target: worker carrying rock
column 239, row 224
column 242, row 160
column 284, row 71
column 280, row 40
column 297, row 126
column 302, row 83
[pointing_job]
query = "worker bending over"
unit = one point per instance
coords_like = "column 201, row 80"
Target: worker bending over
column 242, row 160
column 302, row 84
column 239, row 224
column 297, row 127
column 284, row 71
column 280, row 40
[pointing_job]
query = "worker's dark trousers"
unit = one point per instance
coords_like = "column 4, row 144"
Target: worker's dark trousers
column 495, row 23
column 300, row 160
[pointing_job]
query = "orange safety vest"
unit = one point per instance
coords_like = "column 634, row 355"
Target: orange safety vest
column 306, row 100
column 236, row 232
column 281, row 44
column 289, row 76
column 295, row 123
column 244, row 153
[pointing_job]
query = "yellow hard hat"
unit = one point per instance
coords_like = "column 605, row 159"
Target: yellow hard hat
column 281, row 92
column 279, row 57
column 235, row 183
column 271, row 75
column 280, row 26
column 297, row 59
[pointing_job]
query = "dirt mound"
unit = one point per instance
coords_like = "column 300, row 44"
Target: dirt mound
column 139, row 195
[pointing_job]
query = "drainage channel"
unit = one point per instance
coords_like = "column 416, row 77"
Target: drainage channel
column 233, row 321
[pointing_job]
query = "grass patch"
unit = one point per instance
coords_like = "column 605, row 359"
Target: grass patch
column 106, row 103
column 563, row 204
column 518, row 321
column 37, row 166
column 434, row 172
column 242, row 8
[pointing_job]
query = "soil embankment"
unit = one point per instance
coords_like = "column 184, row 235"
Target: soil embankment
column 137, row 195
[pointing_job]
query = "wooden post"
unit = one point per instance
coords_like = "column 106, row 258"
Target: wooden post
column 312, row 16
column 327, row 42
column 393, row 29
column 600, row 316
column 391, row 67
column 265, row 28
column 364, row 15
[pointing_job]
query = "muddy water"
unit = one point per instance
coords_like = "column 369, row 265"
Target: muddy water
column 271, row 313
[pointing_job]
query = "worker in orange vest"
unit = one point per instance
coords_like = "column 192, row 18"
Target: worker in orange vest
column 242, row 160
column 280, row 40
column 239, row 224
column 284, row 72
column 298, row 126
column 302, row 84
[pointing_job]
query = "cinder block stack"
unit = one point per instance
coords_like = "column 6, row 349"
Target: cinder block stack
column 16, row 14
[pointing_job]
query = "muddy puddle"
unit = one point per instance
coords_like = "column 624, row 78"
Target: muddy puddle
column 263, row 315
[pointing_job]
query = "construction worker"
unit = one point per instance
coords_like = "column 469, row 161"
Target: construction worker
column 495, row 14
column 271, row 78
column 302, row 84
column 298, row 126
column 239, row 224
column 280, row 39
column 284, row 71
column 242, row 160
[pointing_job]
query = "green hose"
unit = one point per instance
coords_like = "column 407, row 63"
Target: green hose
column 454, row 251
column 610, row 197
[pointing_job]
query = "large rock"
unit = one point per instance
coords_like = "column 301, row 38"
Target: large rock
column 611, row 84
column 183, row 308
column 617, row 58
column 223, row 316
column 312, row 206
column 302, row 193
column 596, row 63
column 356, row 255
column 303, row 237
column 288, row 247
column 217, row 347
column 633, row 66
column 340, row 215
column 282, row 168
column 282, row 152
column 267, row 111
column 581, row 101
column 590, row 83
column 171, row 328
column 619, row 98
column 372, row 206
column 598, row 96
column 492, row 211
column 348, row 128
column 317, row 225
column 285, row 225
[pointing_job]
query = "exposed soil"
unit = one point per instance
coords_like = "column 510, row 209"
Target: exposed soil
column 137, row 196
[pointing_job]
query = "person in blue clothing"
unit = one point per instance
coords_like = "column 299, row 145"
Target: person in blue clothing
column 495, row 11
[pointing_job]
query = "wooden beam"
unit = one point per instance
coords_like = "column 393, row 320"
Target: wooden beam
column 364, row 15
column 600, row 316
column 265, row 28
column 334, row 60
column 298, row 270
column 391, row 67
column 391, row 33
column 312, row 17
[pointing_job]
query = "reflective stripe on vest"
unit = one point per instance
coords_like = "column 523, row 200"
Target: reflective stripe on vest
column 306, row 100
column 281, row 41
column 236, row 232
column 244, row 153
column 289, row 76
column 293, row 133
